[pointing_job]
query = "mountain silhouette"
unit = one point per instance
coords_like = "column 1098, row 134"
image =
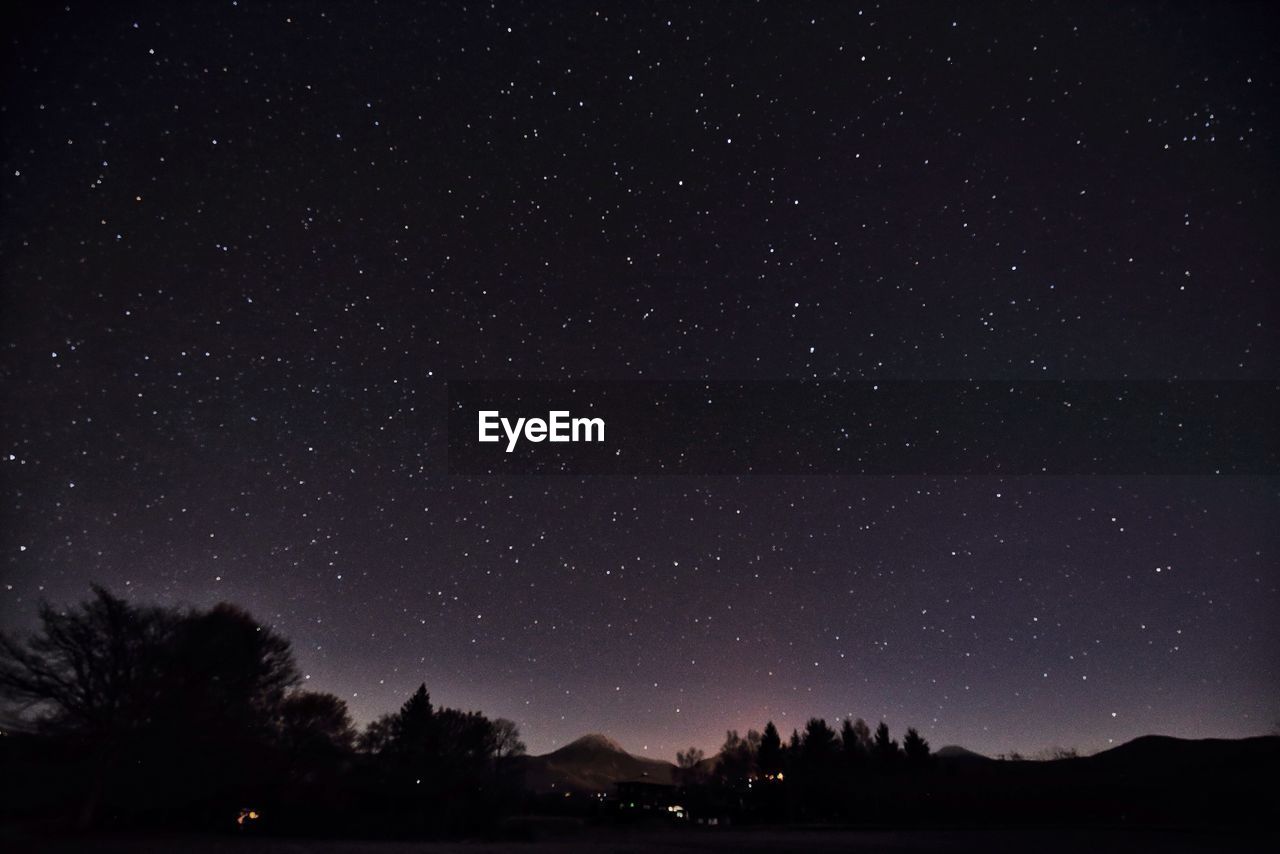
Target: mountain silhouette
column 591, row 744
column 956, row 753
column 590, row 764
column 1158, row 757
column 595, row 762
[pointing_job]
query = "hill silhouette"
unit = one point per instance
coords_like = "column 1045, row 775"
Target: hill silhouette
column 590, row 764
column 595, row 762
column 956, row 753
column 1160, row 753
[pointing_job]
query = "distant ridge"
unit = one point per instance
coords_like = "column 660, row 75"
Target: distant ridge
column 595, row 762
column 1159, row 753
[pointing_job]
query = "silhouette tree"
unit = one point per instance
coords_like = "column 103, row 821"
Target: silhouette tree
column 737, row 760
column 226, row 673
column 315, row 724
column 769, row 757
column 855, row 742
column 915, row 748
column 506, row 739
column 820, row 744
column 180, row 704
column 421, row 739
column 314, row 739
column 689, row 758
column 440, row 768
column 376, row 737
column 817, row 770
column 405, row 744
column 884, row 749
column 848, row 738
column 226, row 677
column 91, row 672
column 687, row 765
column 412, row 732
column 863, row 732
column 464, row 740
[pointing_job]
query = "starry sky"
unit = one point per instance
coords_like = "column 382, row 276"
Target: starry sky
column 245, row 245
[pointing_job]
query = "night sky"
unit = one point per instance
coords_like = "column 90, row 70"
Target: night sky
column 246, row 245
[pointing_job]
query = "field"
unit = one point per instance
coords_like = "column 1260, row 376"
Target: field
column 620, row 841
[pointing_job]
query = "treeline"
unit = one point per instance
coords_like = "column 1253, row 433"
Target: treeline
column 817, row 774
column 123, row 715
column 856, row 777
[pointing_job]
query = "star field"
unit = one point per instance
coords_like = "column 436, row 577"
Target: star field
column 245, row 245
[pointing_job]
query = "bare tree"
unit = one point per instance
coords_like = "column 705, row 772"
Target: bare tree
column 506, row 739
column 689, row 758
column 92, row 671
column 116, row 680
column 687, row 762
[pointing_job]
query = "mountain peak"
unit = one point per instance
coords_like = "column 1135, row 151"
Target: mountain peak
column 593, row 763
column 954, row 751
column 594, row 742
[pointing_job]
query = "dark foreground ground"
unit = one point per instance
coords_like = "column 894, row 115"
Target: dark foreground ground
column 621, row 841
